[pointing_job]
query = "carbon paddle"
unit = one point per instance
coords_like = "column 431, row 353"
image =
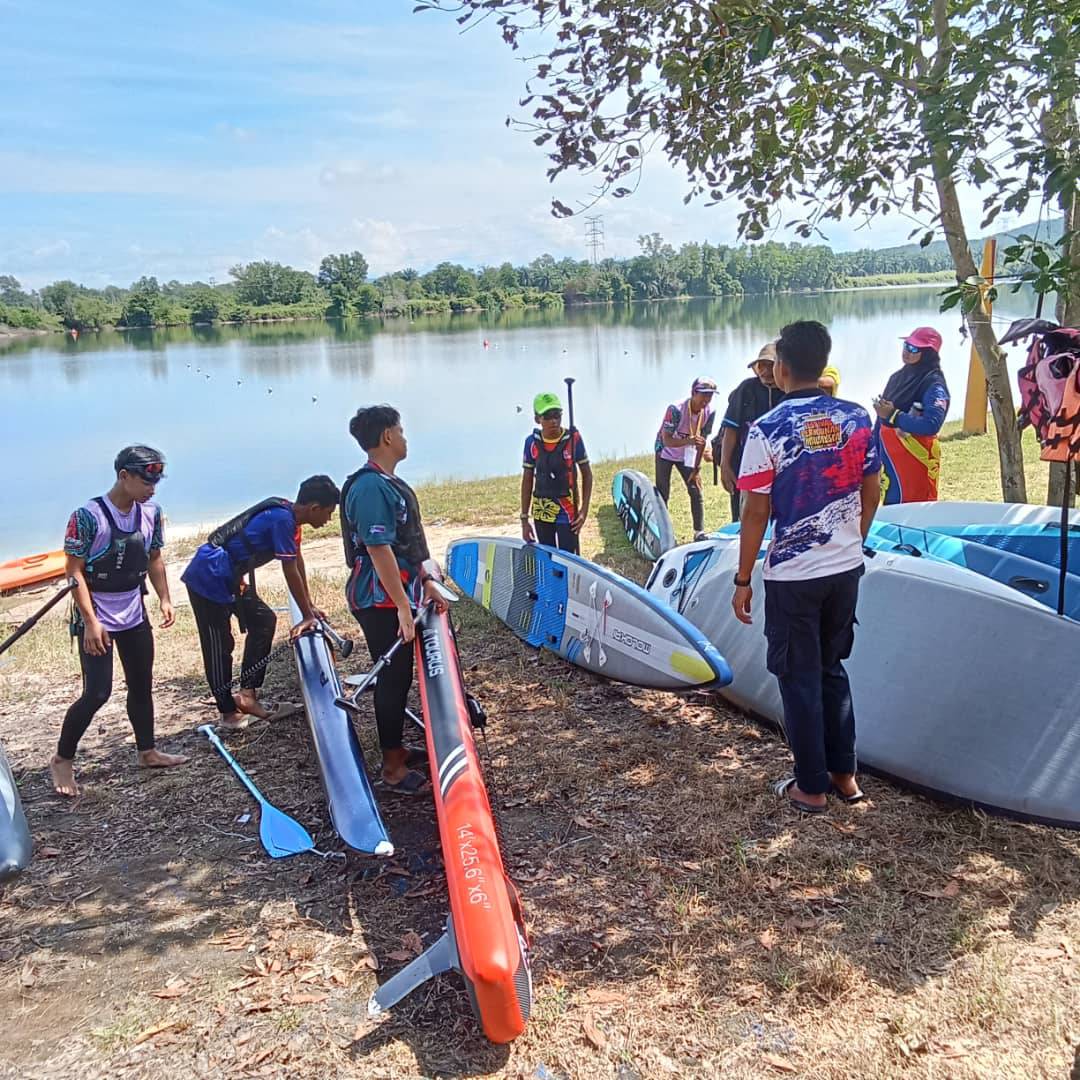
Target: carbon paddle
column 280, row 834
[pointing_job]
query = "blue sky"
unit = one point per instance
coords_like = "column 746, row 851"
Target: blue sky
column 181, row 139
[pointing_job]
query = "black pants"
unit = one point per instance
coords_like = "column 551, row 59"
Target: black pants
column 560, row 536
column 810, row 627
column 214, row 622
column 380, row 626
column 136, row 649
column 663, row 485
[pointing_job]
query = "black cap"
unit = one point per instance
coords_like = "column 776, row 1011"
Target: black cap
column 137, row 457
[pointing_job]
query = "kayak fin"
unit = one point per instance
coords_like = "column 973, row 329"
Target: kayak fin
column 436, row 960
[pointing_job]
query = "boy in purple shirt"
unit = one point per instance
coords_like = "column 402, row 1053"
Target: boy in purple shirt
column 113, row 544
column 811, row 466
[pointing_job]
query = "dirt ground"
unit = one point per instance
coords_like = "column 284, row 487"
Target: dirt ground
column 683, row 923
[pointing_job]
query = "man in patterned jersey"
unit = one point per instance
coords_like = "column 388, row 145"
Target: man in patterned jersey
column 811, row 467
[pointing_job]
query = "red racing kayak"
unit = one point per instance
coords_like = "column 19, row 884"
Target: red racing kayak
column 485, row 936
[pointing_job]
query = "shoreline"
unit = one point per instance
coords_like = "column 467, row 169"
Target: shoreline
column 12, row 333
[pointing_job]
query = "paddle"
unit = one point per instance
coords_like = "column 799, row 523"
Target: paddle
column 573, row 465
column 33, row 620
column 280, row 834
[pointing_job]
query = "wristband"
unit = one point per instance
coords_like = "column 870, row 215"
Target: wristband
column 741, row 584
column 524, row 517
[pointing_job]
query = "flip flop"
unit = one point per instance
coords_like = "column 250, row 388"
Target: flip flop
column 280, row 710
column 780, row 789
column 412, row 783
column 416, row 757
column 858, row 797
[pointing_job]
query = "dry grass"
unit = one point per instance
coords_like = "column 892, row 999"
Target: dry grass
column 683, row 923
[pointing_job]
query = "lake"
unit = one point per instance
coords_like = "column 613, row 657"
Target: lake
column 246, row 412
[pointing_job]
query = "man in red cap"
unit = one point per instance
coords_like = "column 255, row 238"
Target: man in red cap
column 910, row 414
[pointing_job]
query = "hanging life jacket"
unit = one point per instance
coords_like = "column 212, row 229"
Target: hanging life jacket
column 411, row 543
column 123, row 565
column 1050, row 390
column 234, row 529
column 554, row 472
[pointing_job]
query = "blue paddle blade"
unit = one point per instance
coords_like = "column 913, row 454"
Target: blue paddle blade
column 282, row 835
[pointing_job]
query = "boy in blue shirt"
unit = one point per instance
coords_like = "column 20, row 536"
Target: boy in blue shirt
column 392, row 574
column 215, row 582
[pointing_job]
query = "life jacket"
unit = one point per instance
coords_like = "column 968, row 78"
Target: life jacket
column 554, row 472
column 123, row 565
column 234, row 529
column 411, row 543
column 1050, row 393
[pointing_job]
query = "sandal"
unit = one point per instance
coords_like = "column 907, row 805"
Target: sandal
column 782, row 787
column 412, row 783
column 856, row 797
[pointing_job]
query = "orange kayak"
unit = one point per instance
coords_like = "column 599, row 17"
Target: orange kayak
column 31, row 570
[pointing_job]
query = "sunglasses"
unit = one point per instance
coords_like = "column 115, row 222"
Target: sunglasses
column 151, row 473
column 552, row 414
column 909, row 348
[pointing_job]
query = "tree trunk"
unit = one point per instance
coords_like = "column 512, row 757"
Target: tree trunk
column 999, row 389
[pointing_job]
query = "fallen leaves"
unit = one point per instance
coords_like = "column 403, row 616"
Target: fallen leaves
column 768, row 939
column 949, row 892
column 777, row 1062
column 157, row 1029
column 593, row 1033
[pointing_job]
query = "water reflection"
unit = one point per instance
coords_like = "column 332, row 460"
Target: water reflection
column 202, row 394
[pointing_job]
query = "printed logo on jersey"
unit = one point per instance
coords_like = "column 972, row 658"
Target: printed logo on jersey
column 820, row 432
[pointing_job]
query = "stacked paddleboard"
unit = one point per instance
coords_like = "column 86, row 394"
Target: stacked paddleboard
column 644, row 514
column 15, row 846
column 963, row 685
column 585, row 613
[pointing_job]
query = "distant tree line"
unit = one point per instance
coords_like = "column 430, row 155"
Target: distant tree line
column 267, row 291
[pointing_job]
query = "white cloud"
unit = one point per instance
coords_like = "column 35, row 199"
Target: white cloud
column 51, row 250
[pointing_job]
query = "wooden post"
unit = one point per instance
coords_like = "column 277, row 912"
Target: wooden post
column 975, row 404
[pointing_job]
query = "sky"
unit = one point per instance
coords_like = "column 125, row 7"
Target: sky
column 181, row 139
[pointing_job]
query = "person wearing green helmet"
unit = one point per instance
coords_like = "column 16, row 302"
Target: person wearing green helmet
column 551, row 456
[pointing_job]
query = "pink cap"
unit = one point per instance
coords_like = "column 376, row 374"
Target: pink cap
column 924, row 337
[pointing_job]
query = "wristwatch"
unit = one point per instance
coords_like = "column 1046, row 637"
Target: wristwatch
column 741, row 584
column 524, row 517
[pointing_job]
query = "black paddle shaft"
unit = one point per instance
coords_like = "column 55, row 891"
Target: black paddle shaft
column 573, row 431
column 1066, row 502
column 33, row 620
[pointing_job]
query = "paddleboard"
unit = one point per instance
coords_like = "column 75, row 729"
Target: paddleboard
column 585, row 613
column 15, row 845
column 349, row 795
column 1028, row 576
column 963, row 687
column 643, row 512
column 485, row 938
column 934, row 515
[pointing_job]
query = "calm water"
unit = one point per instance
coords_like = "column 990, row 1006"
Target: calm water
column 204, row 396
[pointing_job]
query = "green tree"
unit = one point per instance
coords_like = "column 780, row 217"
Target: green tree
column 842, row 107
column 205, row 304
column 263, row 283
column 343, row 275
column 11, row 292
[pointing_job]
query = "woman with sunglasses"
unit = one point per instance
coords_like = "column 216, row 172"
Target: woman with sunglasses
column 910, row 415
column 113, row 544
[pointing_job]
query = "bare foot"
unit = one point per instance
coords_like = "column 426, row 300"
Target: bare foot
column 236, row 721
column 155, row 759
column 796, row 794
column 63, row 776
column 248, row 704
